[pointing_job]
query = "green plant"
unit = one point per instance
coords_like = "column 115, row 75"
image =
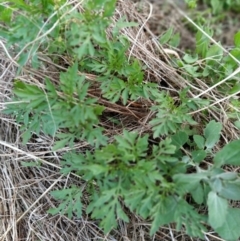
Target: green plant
column 41, row 110
column 217, row 6
column 161, row 175
column 153, row 181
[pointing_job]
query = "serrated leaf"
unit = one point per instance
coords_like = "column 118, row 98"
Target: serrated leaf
column 230, row 230
column 77, row 206
column 121, row 214
column 230, row 154
column 83, row 49
column 70, row 202
column 123, row 142
column 50, row 87
column 98, row 37
column 145, row 206
column 60, row 194
column 60, row 144
column 212, row 133
column 133, row 199
column 95, row 169
column 163, row 213
column 109, row 221
column 217, row 210
column 37, row 103
column 26, row 136
column 53, row 211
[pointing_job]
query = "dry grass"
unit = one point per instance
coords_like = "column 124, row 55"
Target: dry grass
column 24, row 191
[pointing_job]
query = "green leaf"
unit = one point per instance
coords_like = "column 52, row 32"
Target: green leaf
column 202, row 41
column 217, row 210
column 166, row 36
column 163, row 213
column 31, row 164
column 175, row 40
column 109, row 8
column 230, row 230
column 191, row 3
column 237, row 39
column 188, row 182
column 133, row 198
column 237, row 124
column 198, row 155
column 212, row 133
column 91, row 49
column 6, row 14
column 95, row 169
column 217, row 6
column 109, row 221
column 192, row 70
column 230, row 154
column 179, row 139
column 27, row 91
column 190, row 59
column 50, row 87
column 145, row 206
column 60, row 144
column 83, row 49
column 228, row 176
column 26, row 136
column 188, row 216
column 235, row 88
column 37, row 103
column 125, row 96
column 216, row 184
column 70, row 202
column 230, row 191
column 121, row 214
column 23, row 59
column 198, row 194
column 199, row 140
column 214, row 53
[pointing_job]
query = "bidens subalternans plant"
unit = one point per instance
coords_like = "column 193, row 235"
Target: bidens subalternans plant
column 161, row 174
